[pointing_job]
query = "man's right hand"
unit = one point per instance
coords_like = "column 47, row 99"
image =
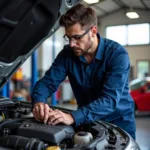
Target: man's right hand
column 41, row 112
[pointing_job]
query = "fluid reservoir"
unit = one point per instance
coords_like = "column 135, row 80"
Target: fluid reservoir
column 82, row 137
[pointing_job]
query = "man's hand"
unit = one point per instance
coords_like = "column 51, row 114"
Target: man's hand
column 41, row 112
column 57, row 116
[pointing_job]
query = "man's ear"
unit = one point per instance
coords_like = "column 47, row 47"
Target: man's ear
column 94, row 30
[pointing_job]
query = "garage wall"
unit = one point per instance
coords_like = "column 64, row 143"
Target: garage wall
column 138, row 53
column 119, row 18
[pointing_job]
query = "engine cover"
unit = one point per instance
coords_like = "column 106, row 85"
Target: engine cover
column 49, row 133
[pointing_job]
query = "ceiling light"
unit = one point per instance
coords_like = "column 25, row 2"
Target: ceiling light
column 132, row 15
column 91, row 1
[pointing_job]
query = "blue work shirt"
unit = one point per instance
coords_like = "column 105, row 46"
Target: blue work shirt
column 100, row 88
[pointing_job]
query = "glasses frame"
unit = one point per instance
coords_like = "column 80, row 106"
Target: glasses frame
column 75, row 37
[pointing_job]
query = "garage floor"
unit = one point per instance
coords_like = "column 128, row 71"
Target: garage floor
column 142, row 125
column 143, row 131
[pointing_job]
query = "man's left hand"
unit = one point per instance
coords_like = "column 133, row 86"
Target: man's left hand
column 57, row 116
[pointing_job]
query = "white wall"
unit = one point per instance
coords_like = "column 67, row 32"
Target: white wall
column 119, row 18
column 26, row 68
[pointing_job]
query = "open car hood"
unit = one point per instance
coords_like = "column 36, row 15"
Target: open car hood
column 24, row 25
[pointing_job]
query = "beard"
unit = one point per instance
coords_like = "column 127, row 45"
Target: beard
column 79, row 51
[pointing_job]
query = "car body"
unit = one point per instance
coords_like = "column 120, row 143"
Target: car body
column 140, row 92
column 24, row 25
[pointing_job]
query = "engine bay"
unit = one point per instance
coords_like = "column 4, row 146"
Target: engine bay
column 20, row 131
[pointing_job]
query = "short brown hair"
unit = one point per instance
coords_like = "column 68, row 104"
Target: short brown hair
column 86, row 16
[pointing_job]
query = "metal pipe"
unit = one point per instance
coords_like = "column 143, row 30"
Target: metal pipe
column 53, row 98
column 34, row 69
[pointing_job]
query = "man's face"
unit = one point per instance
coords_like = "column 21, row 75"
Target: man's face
column 80, row 39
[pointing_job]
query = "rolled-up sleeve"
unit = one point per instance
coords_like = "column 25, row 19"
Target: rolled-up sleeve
column 114, row 82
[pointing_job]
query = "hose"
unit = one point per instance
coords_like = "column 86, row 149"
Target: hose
column 18, row 142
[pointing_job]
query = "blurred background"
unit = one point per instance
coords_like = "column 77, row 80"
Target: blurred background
column 124, row 21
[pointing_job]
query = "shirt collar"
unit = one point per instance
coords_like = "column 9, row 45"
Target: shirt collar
column 100, row 50
column 83, row 59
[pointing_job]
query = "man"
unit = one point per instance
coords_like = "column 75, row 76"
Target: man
column 98, row 71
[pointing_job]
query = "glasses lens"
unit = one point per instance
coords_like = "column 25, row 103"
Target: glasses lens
column 66, row 38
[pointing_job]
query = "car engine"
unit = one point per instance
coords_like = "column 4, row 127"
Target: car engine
column 20, row 131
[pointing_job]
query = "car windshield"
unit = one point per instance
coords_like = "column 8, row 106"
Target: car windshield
column 134, row 85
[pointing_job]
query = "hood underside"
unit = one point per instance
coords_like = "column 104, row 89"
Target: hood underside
column 24, row 25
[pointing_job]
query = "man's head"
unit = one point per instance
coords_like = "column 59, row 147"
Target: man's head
column 80, row 24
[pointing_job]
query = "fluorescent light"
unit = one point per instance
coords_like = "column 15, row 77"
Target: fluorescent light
column 132, row 15
column 91, row 1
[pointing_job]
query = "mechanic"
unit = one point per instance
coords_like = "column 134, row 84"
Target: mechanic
column 98, row 71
